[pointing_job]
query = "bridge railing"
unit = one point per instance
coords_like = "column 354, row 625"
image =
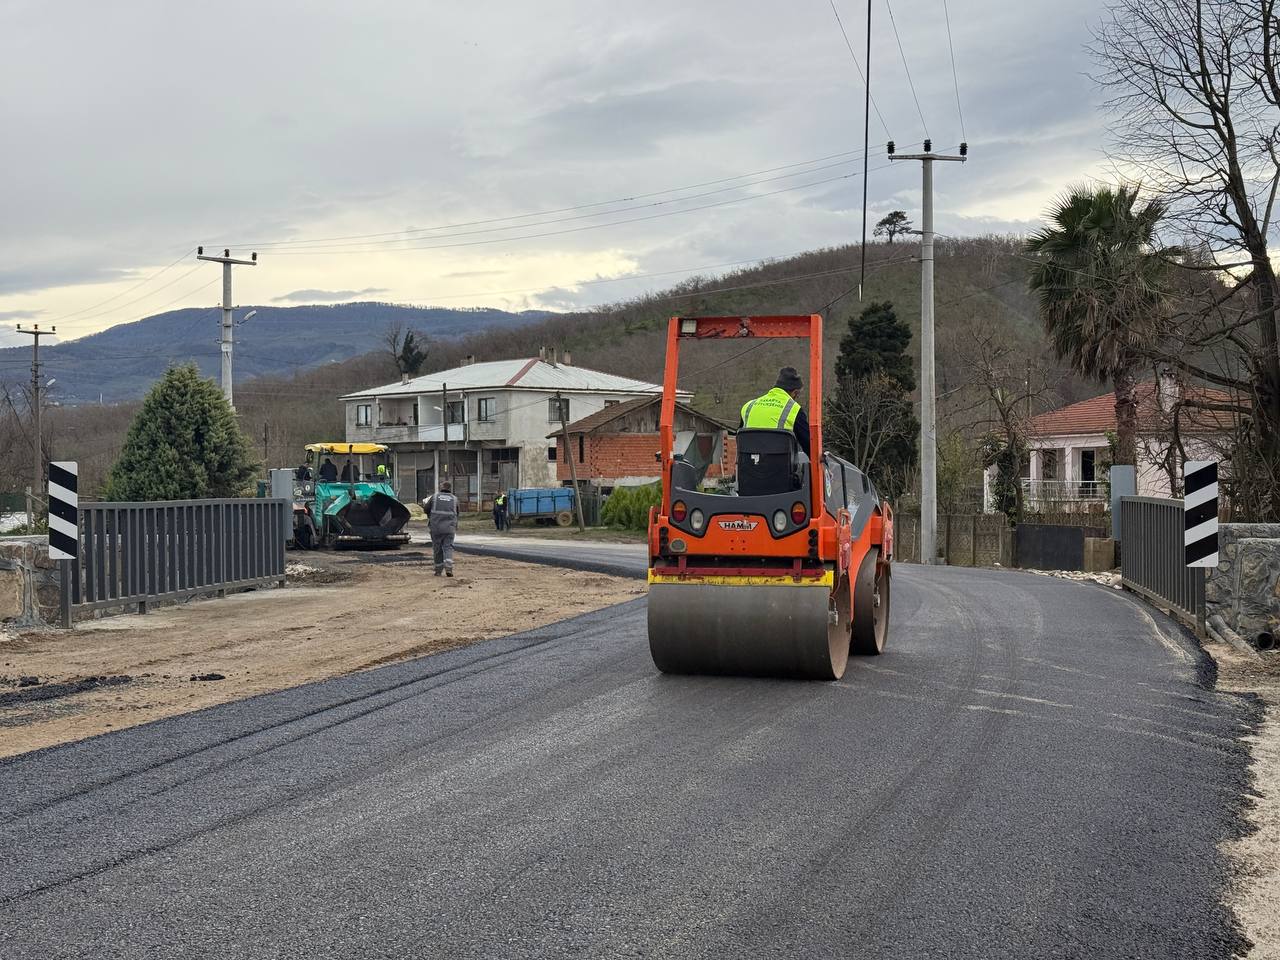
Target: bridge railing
column 134, row 553
column 1153, row 561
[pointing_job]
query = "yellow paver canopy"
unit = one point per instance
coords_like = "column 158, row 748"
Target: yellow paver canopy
column 344, row 447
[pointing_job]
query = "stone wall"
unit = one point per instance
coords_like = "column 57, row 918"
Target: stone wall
column 1245, row 588
column 28, row 581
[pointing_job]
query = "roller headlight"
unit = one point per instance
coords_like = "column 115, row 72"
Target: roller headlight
column 697, row 518
column 779, row 520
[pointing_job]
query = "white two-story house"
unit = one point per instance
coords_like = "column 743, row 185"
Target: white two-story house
column 497, row 415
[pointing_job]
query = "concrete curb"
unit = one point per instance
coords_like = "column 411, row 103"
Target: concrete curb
column 569, row 563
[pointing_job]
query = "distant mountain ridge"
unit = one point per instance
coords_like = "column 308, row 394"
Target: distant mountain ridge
column 121, row 362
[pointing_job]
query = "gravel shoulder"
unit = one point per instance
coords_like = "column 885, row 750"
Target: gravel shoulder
column 344, row 613
column 1256, row 855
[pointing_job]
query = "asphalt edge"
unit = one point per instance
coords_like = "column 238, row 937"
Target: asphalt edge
column 568, row 563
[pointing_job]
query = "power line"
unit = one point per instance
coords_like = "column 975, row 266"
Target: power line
column 117, row 296
column 858, row 67
column 951, row 47
column 903, row 54
column 595, row 226
column 850, row 156
column 145, row 296
column 404, row 238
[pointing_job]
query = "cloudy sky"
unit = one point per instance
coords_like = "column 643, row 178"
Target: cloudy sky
column 498, row 153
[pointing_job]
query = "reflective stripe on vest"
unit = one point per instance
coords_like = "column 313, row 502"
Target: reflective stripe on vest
column 774, row 411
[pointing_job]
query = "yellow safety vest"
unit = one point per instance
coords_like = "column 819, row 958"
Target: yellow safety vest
column 774, row 411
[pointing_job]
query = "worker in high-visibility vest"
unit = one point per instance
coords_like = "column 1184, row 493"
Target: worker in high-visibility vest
column 779, row 409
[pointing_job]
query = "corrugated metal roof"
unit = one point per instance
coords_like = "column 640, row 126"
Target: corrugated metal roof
column 530, row 373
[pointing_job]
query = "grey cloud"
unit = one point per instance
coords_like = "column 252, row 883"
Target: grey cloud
column 310, row 296
column 562, row 106
column 633, row 124
column 19, row 314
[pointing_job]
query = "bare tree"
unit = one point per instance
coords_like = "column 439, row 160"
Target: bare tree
column 1195, row 85
column 865, row 419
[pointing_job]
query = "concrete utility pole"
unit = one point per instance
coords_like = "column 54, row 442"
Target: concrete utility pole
column 928, row 389
column 443, row 475
column 227, row 262
column 37, row 435
column 573, row 470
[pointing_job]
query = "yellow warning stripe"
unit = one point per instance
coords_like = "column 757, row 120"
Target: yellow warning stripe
column 826, row 580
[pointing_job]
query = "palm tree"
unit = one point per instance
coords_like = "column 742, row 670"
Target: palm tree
column 1098, row 278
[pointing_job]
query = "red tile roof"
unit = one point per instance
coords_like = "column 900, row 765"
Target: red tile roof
column 1098, row 414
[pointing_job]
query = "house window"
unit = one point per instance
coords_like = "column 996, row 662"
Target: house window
column 486, row 409
column 551, row 454
column 502, row 455
column 457, row 411
column 364, row 414
column 558, row 409
column 582, row 446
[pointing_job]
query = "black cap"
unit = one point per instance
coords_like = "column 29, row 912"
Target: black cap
column 789, row 380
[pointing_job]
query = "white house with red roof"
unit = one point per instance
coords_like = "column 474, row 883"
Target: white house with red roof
column 497, row 416
column 1069, row 449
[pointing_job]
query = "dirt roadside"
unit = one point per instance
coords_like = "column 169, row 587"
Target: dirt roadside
column 344, row 613
column 1257, row 855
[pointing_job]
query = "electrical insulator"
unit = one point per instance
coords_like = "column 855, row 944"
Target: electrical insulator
column 928, row 146
column 964, row 149
column 891, row 148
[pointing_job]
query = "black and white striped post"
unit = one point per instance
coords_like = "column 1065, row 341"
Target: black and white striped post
column 64, row 526
column 1200, row 513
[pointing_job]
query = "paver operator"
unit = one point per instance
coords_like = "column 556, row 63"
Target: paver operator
column 779, row 409
column 442, row 516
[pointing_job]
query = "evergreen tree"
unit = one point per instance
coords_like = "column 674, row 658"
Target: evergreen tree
column 877, row 341
column 184, row 444
column 869, row 418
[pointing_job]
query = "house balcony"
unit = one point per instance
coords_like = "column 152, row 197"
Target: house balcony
column 408, row 433
column 1059, row 492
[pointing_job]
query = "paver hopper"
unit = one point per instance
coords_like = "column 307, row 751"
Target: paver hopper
column 787, row 575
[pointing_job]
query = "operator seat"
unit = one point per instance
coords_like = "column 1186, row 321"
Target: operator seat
column 769, row 462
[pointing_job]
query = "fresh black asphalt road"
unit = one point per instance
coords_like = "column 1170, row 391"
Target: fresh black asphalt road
column 1035, row 768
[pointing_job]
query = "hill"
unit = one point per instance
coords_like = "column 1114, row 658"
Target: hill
column 980, row 283
column 121, row 363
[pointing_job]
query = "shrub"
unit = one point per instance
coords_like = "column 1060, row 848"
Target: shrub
column 628, row 507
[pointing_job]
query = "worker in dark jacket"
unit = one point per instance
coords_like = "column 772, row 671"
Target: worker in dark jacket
column 349, row 472
column 779, row 409
column 500, row 512
column 442, row 517
column 328, row 472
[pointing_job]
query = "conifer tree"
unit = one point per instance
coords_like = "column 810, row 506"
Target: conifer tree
column 184, row 444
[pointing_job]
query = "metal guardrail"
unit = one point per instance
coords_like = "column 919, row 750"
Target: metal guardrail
column 1153, row 560
column 136, row 553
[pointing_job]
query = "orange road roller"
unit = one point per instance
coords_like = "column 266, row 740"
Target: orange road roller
column 786, row 575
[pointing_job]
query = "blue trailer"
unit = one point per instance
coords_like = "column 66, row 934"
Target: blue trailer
column 541, row 504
